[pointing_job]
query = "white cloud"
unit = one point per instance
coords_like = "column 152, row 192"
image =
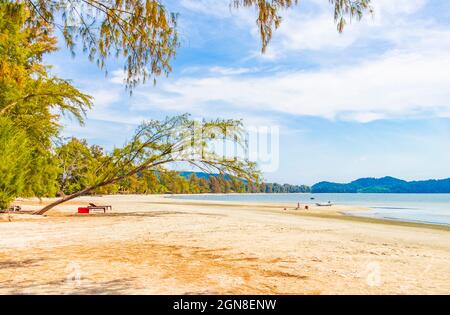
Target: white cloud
column 315, row 30
column 310, row 26
column 394, row 85
column 103, row 98
column 230, row 71
column 392, row 8
column 118, row 76
column 411, row 78
column 111, row 103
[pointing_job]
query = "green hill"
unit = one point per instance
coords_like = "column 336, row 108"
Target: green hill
column 384, row 185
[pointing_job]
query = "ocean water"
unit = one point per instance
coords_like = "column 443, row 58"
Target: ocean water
column 424, row 208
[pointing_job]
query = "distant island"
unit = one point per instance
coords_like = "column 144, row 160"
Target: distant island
column 384, row 185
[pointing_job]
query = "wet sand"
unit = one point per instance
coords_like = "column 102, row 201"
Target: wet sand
column 157, row 245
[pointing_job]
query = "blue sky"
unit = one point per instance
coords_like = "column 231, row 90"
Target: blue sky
column 373, row 101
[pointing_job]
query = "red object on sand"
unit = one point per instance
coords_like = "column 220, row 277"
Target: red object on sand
column 83, row 210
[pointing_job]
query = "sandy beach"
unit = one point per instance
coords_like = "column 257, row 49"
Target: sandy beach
column 156, row 245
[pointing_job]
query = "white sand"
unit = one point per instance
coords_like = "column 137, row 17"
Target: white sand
column 155, row 245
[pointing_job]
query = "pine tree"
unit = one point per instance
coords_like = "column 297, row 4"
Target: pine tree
column 30, row 98
column 15, row 159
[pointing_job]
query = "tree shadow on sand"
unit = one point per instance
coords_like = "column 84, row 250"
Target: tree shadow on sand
column 143, row 214
column 5, row 264
column 128, row 214
column 63, row 286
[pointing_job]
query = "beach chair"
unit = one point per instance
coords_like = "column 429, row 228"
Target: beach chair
column 95, row 207
column 15, row 208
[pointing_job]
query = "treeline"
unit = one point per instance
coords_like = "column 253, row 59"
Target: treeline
column 172, row 182
column 228, row 184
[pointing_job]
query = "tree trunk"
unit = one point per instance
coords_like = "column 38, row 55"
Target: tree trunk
column 86, row 190
column 62, row 200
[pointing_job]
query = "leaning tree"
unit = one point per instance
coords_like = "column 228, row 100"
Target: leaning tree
column 174, row 140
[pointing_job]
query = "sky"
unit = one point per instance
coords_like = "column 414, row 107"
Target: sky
column 371, row 102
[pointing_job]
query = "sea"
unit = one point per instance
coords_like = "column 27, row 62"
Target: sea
column 421, row 208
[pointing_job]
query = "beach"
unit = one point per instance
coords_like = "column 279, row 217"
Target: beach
column 156, row 245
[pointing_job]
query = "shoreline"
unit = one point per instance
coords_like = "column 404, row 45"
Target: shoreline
column 340, row 212
column 157, row 245
column 351, row 210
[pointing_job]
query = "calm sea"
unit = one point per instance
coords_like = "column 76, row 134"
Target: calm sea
column 425, row 208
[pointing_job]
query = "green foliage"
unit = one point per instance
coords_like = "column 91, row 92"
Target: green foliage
column 142, row 32
column 15, row 159
column 75, row 163
column 42, row 175
column 31, row 99
column 26, row 87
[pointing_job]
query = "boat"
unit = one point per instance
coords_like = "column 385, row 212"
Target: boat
column 324, row 204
